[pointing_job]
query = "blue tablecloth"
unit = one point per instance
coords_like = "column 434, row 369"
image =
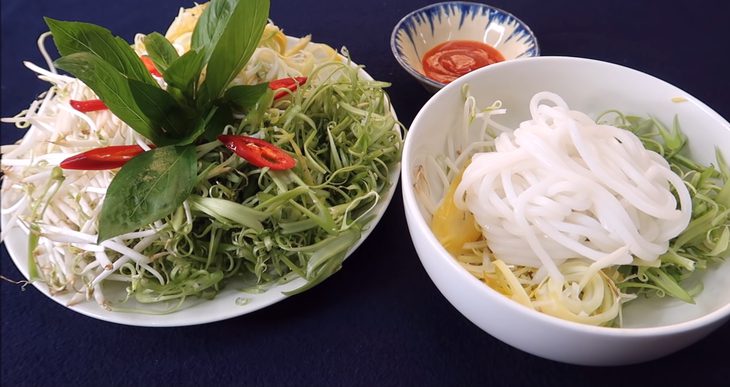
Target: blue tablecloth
column 379, row 321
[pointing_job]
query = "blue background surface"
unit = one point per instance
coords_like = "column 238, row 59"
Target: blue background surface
column 379, row 321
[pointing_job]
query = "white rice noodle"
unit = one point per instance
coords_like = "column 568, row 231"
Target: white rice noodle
column 571, row 188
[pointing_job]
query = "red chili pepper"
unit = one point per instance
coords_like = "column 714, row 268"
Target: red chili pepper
column 286, row 83
column 258, row 152
column 93, row 105
column 90, row 105
column 97, row 159
column 150, row 65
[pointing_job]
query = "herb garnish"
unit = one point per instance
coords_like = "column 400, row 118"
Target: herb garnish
column 195, row 104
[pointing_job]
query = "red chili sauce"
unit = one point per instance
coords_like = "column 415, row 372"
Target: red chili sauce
column 454, row 58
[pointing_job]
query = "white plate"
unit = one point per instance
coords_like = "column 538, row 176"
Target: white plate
column 230, row 302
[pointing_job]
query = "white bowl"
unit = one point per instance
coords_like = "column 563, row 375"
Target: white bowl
column 652, row 327
column 424, row 28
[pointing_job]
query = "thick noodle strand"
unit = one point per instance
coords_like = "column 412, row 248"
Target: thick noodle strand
column 571, row 188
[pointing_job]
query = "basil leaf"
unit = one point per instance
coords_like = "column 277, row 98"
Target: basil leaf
column 210, row 26
column 214, row 124
column 76, row 37
column 236, row 44
column 245, row 96
column 147, row 188
column 113, row 88
column 160, row 51
column 161, row 108
column 211, row 125
column 183, row 73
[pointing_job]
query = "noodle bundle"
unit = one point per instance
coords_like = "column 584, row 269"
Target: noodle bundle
column 568, row 187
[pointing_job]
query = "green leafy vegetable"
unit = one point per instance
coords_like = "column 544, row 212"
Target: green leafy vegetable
column 161, row 108
column 183, row 74
column 161, row 51
column 114, row 89
column 245, row 96
column 215, row 122
column 707, row 237
column 226, row 38
column 149, row 187
column 75, row 37
column 234, row 46
column 210, row 26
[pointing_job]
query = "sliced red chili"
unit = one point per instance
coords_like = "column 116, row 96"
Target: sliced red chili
column 97, row 159
column 93, row 105
column 150, row 65
column 286, row 83
column 259, row 152
column 90, row 105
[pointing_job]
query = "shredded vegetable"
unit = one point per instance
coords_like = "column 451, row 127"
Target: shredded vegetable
column 244, row 225
column 706, row 240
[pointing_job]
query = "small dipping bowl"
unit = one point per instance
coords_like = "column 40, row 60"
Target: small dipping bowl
column 425, row 28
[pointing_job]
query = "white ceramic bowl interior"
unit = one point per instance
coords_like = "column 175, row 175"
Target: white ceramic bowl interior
column 652, row 327
column 421, row 30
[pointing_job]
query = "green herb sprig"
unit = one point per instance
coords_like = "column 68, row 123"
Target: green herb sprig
column 196, row 103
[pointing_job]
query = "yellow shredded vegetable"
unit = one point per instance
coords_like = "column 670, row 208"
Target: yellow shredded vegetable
column 275, row 57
